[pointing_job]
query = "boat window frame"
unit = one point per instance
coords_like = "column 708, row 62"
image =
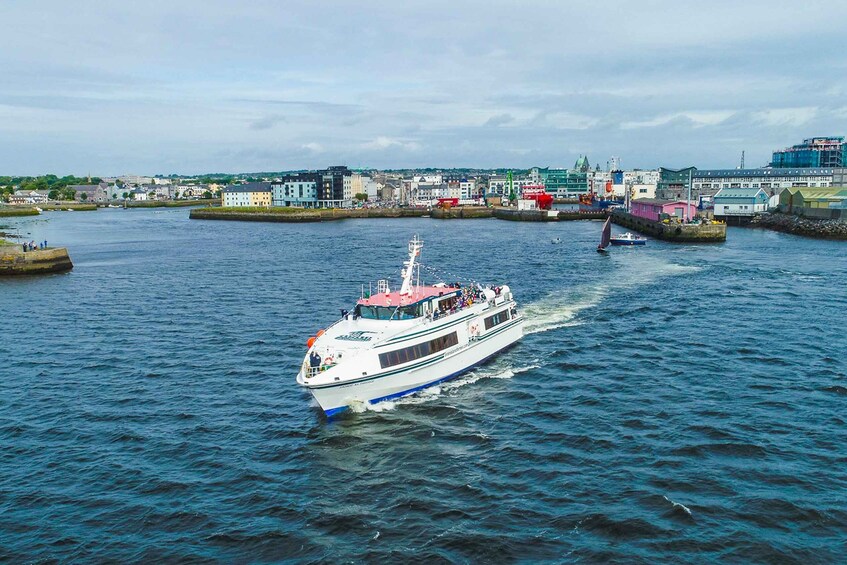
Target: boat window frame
column 490, row 322
column 418, row 350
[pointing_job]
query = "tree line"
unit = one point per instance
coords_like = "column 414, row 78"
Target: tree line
column 57, row 186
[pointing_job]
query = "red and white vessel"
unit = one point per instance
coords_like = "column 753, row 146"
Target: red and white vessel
column 395, row 343
column 537, row 192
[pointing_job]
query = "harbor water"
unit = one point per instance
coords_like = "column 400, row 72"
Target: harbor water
column 671, row 403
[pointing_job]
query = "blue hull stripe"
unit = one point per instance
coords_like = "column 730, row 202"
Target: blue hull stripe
column 333, row 411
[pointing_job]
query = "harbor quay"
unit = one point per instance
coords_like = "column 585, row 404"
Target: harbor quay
column 295, row 215
column 672, row 229
column 15, row 261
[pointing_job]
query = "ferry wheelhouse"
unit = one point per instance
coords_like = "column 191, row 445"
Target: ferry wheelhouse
column 395, row 343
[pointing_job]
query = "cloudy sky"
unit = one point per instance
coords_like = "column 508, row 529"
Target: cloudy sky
column 210, row 86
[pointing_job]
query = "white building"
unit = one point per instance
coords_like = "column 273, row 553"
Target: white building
column 28, row 197
column 135, row 179
column 774, row 181
column 139, row 194
column 642, row 191
column 499, row 184
column 740, row 202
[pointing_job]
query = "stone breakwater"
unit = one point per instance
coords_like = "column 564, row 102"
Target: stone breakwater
column 682, row 233
column 797, row 225
column 13, row 261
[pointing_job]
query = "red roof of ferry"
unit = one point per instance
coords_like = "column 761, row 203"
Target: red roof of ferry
column 417, row 294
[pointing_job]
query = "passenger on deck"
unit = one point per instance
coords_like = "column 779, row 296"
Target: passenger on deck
column 314, row 360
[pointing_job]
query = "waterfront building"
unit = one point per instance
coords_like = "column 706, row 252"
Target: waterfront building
column 138, row 194
column 812, row 198
column 565, row 183
column 654, row 209
column 642, row 191
column 740, row 202
column 252, row 194
column 135, row 179
column 335, row 190
column 461, row 187
column 813, row 152
column 299, row 190
column 363, row 184
column 673, row 183
column 708, row 181
column 93, row 192
column 29, row 197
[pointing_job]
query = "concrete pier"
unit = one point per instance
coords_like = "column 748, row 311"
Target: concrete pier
column 13, row 260
column 682, row 233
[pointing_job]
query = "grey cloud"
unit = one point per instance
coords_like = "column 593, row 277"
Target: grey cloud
column 500, row 120
column 266, row 122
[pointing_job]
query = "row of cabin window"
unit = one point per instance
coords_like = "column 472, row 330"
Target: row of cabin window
column 496, row 319
column 413, row 352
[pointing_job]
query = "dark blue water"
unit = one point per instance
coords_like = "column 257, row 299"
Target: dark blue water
column 669, row 403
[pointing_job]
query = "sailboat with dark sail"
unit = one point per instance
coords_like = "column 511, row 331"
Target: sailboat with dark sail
column 606, row 237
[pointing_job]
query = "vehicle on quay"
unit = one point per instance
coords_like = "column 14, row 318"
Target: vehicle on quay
column 395, row 343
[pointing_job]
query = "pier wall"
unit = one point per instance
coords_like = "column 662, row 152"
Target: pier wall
column 462, row 212
column 302, row 215
column 13, row 261
column 326, row 215
column 682, row 233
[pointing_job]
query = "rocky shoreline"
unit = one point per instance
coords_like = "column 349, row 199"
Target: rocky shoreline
column 798, row 225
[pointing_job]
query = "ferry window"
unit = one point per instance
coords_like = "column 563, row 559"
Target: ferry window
column 414, row 352
column 409, row 312
column 496, row 319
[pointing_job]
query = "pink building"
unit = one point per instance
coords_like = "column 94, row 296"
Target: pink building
column 652, row 209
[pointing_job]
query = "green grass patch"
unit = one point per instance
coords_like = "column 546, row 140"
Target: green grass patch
column 264, row 210
column 10, row 212
column 69, row 206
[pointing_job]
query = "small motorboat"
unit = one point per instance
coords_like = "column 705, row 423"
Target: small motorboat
column 628, row 239
column 556, row 240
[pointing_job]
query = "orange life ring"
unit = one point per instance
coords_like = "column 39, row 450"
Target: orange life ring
column 310, row 342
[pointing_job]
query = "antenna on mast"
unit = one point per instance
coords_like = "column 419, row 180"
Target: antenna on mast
column 742, row 158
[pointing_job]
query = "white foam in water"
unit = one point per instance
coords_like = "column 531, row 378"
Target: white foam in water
column 678, row 505
column 431, row 393
column 558, row 309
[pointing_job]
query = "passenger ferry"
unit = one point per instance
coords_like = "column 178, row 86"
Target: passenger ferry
column 395, row 343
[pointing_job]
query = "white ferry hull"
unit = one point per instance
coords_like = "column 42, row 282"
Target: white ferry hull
column 424, row 373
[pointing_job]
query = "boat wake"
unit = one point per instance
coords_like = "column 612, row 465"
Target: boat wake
column 558, row 310
column 561, row 308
